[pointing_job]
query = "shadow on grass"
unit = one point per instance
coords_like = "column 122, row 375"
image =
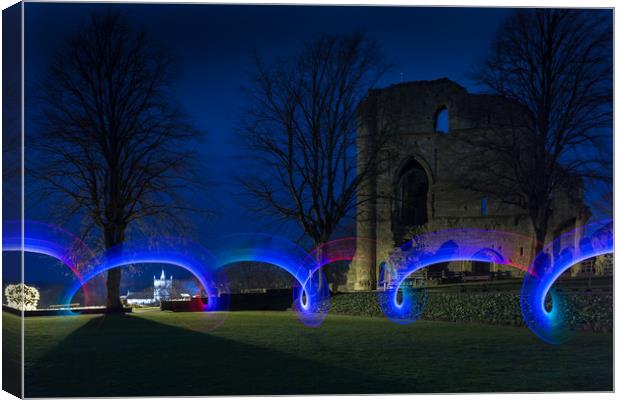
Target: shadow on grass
column 11, row 354
column 119, row 355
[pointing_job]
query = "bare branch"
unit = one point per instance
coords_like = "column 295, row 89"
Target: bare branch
column 301, row 128
column 554, row 66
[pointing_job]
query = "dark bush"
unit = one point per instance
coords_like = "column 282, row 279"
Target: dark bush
column 592, row 312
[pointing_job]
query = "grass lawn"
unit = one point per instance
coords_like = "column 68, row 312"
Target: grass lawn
column 11, row 354
column 162, row 353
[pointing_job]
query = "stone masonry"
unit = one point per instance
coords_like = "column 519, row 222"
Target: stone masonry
column 413, row 190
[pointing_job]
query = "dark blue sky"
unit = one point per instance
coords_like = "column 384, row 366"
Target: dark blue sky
column 214, row 46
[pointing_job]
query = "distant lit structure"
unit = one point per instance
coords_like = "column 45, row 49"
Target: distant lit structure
column 162, row 290
column 162, row 287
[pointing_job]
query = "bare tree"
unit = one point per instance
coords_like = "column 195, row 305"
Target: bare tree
column 301, row 129
column 554, row 66
column 112, row 145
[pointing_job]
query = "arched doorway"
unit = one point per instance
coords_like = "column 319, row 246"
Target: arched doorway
column 412, row 186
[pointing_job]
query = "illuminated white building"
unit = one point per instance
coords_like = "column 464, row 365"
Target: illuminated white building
column 162, row 290
column 162, row 287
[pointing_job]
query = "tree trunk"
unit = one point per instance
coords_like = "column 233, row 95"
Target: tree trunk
column 541, row 233
column 114, row 235
column 539, row 215
column 318, row 257
column 113, row 284
column 545, row 261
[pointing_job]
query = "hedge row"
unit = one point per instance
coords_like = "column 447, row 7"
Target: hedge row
column 593, row 312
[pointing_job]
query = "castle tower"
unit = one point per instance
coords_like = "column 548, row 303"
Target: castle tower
column 419, row 130
column 162, row 287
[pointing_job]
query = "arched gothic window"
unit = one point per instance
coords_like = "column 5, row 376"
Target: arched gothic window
column 412, row 194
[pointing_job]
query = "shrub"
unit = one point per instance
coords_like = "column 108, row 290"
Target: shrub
column 592, row 312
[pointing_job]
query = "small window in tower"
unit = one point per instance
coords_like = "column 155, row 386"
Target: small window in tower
column 521, row 251
column 441, row 120
column 484, row 206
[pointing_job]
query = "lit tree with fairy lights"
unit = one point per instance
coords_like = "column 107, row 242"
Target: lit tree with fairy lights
column 22, row 297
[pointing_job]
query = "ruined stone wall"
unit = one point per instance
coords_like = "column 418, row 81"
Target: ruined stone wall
column 406, row 113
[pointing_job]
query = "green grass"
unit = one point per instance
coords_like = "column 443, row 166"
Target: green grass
column 11, row 354
column 159, row 353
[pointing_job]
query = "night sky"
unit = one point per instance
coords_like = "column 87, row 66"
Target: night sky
column 214, row 45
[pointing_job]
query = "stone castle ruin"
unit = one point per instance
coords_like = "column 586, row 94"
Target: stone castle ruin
column 414, row 189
